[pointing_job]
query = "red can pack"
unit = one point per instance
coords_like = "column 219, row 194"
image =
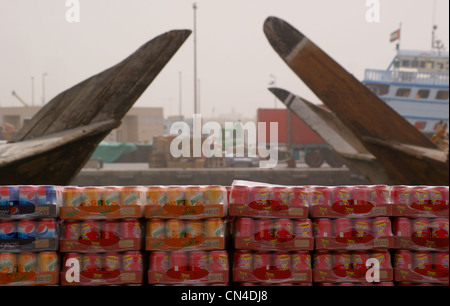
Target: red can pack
column 322, row 260
column 261, row 195
column 440, row 260
column 401, row 195
column 359, row 259
column 402, row 227
column 362, row 227
column 421, row 228
column 343, row 228
column 90, row 230
column 92, row 262
column 419, row 196
column 179, row 261
column 281, row 261
column 262, row 260
column 245, row 227
column 218, row 261
column 110, row 229
column 383, row 257
column 439, row 228
column 438, row 196
column 130, row 229
column 68, row 256
column 283, row 228
column 423, row 260
column 323, row 228
column 403, row 259
column 264, row 229
column 360, row 195
column 240, row 195
column 243, row 260
column 381, row 227
column 321, row 196
column 283, row 196
column 112, row 261
column 301, row 197
column 71, row 230
column 379, row 194
column 342, row 195
column 198, row 260
column 301, row 261
column 159, row 261
column 303, row 228
column 132, row 261
column 342, row 260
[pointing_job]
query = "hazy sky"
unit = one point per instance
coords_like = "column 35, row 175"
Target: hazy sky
column 235, row 60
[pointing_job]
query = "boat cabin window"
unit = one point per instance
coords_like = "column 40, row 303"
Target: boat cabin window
column 423, row 64
column 379, row 89
column 440, row 66
column 423, row 94
column 415, row 64
column 442, row 95
column 405, row 63
column 430, row 65
column 403, row 92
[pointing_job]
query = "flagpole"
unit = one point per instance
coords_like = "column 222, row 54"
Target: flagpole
column 399, row 37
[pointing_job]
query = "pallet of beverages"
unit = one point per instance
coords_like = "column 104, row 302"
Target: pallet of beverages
column 29, row 269
column 28, row 235
column 421, row 267
column 420, row 201
column 186, row 235
column 424, row 234
column 106, row 202
column 350, row 266
column 26, row 201
column 272, row 267
column 353, row 234
column 273, row 234
column 251, row 199
column 188, row 268
column 101, row 235
column 187, row 202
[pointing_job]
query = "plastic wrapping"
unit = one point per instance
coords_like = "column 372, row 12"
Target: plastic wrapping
column 29, row 269
column 110, row 268
column 353, row 234
column 421, row 233
column 421, row 266
column 101, row 235
column 273, row 234
column 108, row 202
column 420, row 201
column 186, row 235
column 186, row 202
column 350, row 266
column 30, row 201
column 189, row 268
column 272, row 267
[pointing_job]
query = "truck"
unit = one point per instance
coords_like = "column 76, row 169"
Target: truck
column 299, row 140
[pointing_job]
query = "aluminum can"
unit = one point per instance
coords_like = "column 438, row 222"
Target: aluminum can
column 28, row 195
column 359, row 259
column 92, row 262
column 301, row 197
column 215, row 195
column 218, row 261
column 281, row 261
column 438, row 195
column 439, row 228
column 301, row 261
column 48, row 262
column 8, row 263
column 73, row 196
column 245, row 227
column 422, row 260
column 111, row 229
column 175, row 228
column 384, row 257
column 322, row 260
column 156, row 195
column 421, row 228
column 260, row 195
column 159, row 261
column 262, row 260
column 264, row 228
column 9, row 195
column 440, row 260
column 360, row 195
column 132, row 261
column 194, row 196
column 27, row 229
column 362, row 227
column 214, row 227
column 130, row 229
column 71, row 230
column 342, row 260
column 131, row 195
column 46, row 228
column 198, row 261
column 381, row 227
column 342, row 195
column 179, row 261
column 343, row 228
column 194, row 228
column 403, row 259
column 27, row 262
column 67, row 256
column 419, row 196
column 401, row 195
column 303, row 228
column 47, row 195
column 90, row 230
column 176, row 196
column 321, row 195
column 402, row 227
column 283, row 196
column 240, row 195
column 93, row 196
column 323, row 227
column 156, row 229
column 112, row 261
column 283, row 228
column 243, row 260
column 111, row 196
column 379, row 194
column 8, row 229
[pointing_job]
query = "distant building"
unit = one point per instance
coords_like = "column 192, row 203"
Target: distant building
column 139, row 125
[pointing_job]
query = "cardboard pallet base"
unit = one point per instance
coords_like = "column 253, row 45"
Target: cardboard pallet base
column 268, row 210
column 428, row 211
column 422, row 276
column 275, row 244
column 354, row 243
column 101, row 245
column 101, row 212
column 351, row 211
column 185, row 212
column 29, row 279
column 272, row 276
column 104, row 278
column 188, row 277
column 185, row 244
column 421, row 244
column 350, row 275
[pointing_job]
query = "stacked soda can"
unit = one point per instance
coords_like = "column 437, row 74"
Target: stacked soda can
column 272, row 218
column 29, row 235
column 186, row 230
column 101, row 238
column 421, row 229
